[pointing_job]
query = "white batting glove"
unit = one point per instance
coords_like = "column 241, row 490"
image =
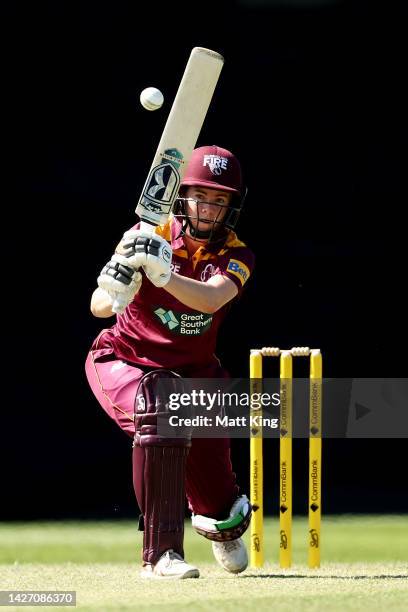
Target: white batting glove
column 133, row 246
column 149, row 251
column 158, row 266
column 120, row 281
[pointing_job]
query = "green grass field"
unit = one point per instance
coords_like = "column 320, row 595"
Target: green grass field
column 364, row 565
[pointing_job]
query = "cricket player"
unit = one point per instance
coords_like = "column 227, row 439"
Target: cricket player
column 176, row 287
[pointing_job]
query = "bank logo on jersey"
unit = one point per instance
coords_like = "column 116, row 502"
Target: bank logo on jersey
column 184, row 323
column 216, row 163
column 167, row 318
column 239, row 269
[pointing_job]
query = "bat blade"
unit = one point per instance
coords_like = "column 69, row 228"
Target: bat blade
column 179, row 136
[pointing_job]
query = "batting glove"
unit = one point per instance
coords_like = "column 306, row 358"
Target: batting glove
column 150, row 252
column 120, row 281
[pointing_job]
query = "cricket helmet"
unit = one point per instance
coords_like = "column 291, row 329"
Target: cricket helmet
column 212, row 167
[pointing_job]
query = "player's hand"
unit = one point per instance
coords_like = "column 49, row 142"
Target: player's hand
column 120, row 281
column 149, row 251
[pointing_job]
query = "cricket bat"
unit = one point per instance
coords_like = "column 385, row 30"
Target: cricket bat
column 179, row 136
column 178, row 140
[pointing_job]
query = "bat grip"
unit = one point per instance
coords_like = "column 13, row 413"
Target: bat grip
column 148, row 227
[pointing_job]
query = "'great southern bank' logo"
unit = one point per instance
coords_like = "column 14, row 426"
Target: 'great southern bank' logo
column 167, row 318
column 184, row 323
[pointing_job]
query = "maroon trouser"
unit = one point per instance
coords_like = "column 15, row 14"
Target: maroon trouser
column 210, row 483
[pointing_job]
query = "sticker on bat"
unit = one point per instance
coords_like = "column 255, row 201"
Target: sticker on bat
column 161, row 189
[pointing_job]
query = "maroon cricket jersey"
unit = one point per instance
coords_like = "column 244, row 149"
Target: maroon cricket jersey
column 158, row 330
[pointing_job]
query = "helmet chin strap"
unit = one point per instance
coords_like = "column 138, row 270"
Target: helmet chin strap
column 199, row 234
column 213, row 235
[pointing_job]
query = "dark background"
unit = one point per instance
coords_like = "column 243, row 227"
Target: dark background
column 311, row 101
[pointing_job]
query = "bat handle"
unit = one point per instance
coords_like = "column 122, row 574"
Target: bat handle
column 148, row 227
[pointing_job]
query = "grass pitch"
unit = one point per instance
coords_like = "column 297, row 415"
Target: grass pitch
column 364, row 565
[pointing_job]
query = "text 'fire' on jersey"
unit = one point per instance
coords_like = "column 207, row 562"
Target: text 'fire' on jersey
column 158, row 330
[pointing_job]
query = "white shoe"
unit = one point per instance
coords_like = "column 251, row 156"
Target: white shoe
column 231, row 555
column 170, row 565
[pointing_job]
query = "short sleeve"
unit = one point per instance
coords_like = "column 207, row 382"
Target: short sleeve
column 237, row 264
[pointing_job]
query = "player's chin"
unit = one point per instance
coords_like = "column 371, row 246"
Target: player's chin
column 205, row 226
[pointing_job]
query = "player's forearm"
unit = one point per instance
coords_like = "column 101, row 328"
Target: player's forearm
column 192, row 293
column 101, row 304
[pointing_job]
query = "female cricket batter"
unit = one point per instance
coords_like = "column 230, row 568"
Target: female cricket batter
column 176, row 288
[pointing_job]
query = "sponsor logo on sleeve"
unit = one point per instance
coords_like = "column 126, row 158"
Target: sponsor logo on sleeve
column 239, row 269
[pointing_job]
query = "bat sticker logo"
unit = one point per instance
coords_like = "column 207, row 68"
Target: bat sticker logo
column 161, row 188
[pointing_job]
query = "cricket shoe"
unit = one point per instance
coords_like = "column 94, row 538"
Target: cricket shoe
column 171, row 565
column 231, row 555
